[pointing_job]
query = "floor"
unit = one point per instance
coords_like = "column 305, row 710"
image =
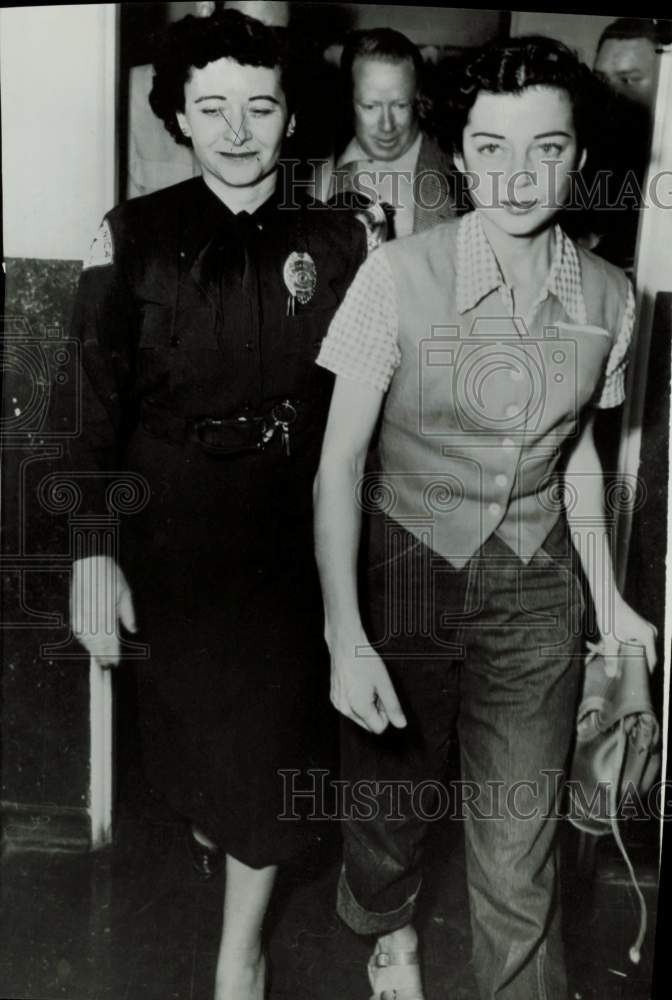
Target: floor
column 133, row 922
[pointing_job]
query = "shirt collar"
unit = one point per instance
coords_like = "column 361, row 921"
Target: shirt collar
column 478, row 272
column 353, row 153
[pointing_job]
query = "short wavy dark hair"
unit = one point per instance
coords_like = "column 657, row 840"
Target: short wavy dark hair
column 510, row 67
column 197, row 41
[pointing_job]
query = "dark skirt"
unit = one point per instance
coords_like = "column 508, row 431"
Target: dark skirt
column 235, row 689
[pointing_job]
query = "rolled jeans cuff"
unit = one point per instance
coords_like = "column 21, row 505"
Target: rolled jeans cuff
column 363, row 921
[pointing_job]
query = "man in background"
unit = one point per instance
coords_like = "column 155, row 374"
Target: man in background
column 626, row 61
column 390, row 159
column 626, row 58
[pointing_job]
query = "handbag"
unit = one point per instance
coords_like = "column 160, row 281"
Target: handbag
column 617, row 751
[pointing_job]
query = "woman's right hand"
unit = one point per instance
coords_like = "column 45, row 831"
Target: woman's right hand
column 361, row 688
column 100, row 599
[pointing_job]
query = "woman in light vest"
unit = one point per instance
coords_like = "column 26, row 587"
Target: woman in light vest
column 484, row 345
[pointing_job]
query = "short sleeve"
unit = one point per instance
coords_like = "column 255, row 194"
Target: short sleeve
column 612, row 392
column 362, row 341
column 102, row 249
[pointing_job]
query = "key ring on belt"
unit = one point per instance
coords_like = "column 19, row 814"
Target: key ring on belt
column 283, row 416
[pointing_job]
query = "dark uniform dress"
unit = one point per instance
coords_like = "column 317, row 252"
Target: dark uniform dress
column 184, row 316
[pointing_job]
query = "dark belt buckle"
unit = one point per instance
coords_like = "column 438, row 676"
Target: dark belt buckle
column 229, row 437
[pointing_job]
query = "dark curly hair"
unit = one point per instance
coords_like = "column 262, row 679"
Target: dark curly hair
column 197, row 41
column 511, row 66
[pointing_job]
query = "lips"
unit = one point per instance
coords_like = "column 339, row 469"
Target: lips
column 520, row 206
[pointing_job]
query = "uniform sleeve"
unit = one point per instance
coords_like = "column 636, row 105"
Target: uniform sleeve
column 612, row 392
column 362, row 340
column 104, row 324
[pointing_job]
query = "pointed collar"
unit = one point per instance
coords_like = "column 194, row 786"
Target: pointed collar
column 478, row 272
column 354, row 153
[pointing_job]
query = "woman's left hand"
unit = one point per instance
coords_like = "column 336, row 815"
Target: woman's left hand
column 628, row 626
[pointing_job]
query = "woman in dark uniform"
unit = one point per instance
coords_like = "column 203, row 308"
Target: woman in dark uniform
column 200, row 313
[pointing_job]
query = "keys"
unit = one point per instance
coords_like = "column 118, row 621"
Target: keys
column 285, row 438
column 283, row 416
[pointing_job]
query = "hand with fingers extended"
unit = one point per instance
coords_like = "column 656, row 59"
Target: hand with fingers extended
column 100, row 599
column 361, row 688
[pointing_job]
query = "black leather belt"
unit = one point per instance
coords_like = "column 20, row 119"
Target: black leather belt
column 246, row 433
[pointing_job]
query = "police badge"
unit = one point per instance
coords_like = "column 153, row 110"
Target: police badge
column 300, row 277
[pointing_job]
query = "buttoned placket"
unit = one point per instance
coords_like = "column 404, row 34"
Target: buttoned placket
column 504, row 482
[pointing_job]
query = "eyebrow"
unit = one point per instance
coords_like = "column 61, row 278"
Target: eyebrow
column 222, row 97
column 540, row 135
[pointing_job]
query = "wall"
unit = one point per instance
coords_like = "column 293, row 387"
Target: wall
column 429, row 25
column 58, row 151
column 57, row 74
column 580, row 31
column 645, row 538
column 425, row 25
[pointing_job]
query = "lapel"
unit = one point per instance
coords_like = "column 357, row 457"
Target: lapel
column 436, row 203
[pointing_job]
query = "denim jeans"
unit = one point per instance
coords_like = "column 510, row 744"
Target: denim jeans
column 491, row 652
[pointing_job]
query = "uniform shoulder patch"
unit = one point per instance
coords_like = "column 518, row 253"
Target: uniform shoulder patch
column 102, row 248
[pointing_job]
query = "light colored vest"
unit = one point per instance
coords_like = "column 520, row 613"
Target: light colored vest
column 480, row 406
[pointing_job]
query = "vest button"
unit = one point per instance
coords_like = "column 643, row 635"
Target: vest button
column 501, row 480
column 494, row 509
column 508, row 442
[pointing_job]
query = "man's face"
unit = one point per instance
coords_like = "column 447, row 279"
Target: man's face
column 236, row 117
column 384, row 94
column 629, row 66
